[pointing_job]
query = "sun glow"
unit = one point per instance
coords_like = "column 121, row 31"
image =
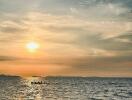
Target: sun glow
column 32, row 46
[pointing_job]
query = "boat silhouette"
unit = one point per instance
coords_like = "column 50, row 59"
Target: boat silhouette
column 39, row 82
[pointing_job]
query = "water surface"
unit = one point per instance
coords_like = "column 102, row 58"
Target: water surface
column 65, row 88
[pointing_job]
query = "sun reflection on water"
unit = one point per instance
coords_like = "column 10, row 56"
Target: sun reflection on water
column 33, row 91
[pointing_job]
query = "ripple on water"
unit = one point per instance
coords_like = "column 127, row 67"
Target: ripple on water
column 65, row 89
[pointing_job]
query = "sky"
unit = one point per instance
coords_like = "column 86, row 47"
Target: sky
column 75, row 37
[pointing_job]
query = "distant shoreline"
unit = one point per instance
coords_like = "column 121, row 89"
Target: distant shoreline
column 11, row 76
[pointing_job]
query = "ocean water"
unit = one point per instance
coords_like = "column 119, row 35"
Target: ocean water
column 65, row 88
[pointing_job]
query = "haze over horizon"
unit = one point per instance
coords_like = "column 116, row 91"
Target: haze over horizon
column 66, row 37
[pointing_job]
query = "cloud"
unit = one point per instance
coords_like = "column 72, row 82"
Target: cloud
column 11, row 31
column 66, row 31
column 16, row 6
column 11, row 27
column 87, row 9
column 96, row 41
column 81, row 34
column 7, row 58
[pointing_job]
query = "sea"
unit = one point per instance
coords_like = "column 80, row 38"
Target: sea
column 65, row 88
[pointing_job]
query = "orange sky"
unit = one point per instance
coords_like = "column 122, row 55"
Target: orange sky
column 71, row 37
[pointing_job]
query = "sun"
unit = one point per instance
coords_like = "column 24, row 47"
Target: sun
column 32, row 46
